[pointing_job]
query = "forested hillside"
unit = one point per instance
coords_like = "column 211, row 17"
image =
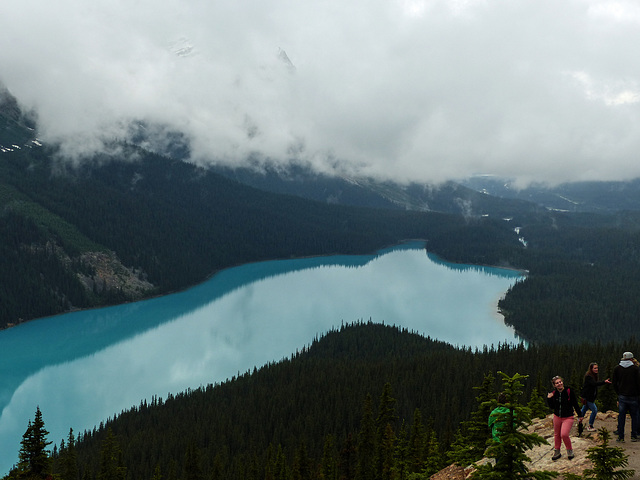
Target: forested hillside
column 449, row 197
column 582, row 280
column 170, row 225
column 323, row 412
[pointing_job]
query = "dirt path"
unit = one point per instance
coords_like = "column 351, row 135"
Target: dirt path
column 541, row 456
column 632, row 449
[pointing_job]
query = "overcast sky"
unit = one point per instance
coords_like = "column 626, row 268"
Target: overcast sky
column 425, row 90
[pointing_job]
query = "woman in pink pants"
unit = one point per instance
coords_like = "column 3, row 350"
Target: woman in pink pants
column 564, row 402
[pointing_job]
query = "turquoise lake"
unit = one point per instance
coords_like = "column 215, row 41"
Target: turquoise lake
column 84, row 367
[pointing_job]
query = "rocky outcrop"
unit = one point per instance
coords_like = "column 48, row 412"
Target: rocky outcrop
column 541, row 455
column 109, row 274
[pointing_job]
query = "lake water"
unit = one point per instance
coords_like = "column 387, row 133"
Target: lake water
column 84, row 367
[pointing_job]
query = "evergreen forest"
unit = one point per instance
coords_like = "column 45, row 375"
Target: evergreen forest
column 366, row 401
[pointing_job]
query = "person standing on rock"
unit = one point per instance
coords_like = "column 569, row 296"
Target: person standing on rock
column 589, row 393
column 563, row 401
column 626, row 383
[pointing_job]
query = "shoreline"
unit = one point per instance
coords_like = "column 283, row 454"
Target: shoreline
column 303, row 257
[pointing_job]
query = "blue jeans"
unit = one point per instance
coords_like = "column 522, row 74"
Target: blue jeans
column 627, row 405
column 590, row 406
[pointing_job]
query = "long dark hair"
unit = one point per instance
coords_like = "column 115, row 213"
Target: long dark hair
column 590, row 371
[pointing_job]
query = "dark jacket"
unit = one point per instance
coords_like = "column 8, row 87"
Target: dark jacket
column 564, row 403
column 626, row 379
column 590, row 388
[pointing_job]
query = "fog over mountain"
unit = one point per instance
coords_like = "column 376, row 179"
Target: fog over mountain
column 421, row 90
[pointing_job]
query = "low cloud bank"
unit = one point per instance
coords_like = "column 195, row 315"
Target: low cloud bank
column 402, row 89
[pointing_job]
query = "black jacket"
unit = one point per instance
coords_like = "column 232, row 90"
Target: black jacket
column 590, row 388
column 626, row 379
column 564, row 403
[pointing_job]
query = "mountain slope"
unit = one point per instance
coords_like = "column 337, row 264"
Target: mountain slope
column 595, row 197
column 16, row 130
column 124, row 227
column 449, row 197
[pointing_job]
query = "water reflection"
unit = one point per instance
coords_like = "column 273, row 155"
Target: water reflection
column 461, row 267
column 83, row 367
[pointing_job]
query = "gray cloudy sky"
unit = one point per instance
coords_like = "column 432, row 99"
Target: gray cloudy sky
column 427, row 90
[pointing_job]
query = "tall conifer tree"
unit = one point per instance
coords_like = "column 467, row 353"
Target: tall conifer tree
column 417, row 443
column 433, row 460
column 302, row 465
column 329, row 464
column 366, row 443
column 111, row 467
column 34, row 458
column 471, row 439
column 537, row 405
column 385, row 433
column 401, row 467
column 192, row 467
column 347, row 460
column 509, row 452
column 386, row 452
column 69, row 458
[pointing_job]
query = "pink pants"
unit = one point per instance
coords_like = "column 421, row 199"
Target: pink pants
column 561, row 428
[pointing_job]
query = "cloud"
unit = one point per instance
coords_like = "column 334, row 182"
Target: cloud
column 424, row 90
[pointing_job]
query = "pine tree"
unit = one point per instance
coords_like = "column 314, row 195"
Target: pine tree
column 172, row 473
column 347, row 460
column 270, row 463
column 366, row 443
column 192, row 468
column 386, row 452
column 34, row 458
column 433, row 462
column 385, row 434
column 280, row 472
column 157, row 473
column 401, row 468
column 217, row 468
column 111, row 467
column 417, row 443
column 537, row 405
column 302, row 468
column 471, row 439
column 329, row 464
column 69, row 458
column 509, row 452
column 606, row 460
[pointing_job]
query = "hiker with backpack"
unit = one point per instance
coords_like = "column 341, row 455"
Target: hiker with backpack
column 564, row 402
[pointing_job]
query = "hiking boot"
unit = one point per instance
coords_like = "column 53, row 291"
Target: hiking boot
column 590, row 428
column 570, row 454
column 634, row 439
column 556, row 455
column 620, row 439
